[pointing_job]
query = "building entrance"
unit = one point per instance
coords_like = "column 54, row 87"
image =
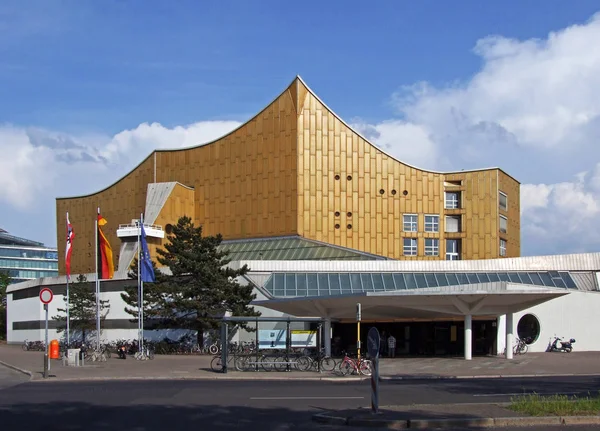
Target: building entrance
column 439, row 338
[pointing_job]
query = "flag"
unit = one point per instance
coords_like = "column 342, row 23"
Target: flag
column 147, row 272
column 68, row 250
column 106, row 267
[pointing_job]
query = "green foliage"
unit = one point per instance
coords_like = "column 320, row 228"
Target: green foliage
column 82, row 308
column 200, row 289
column 555, row 405
column 4, row 282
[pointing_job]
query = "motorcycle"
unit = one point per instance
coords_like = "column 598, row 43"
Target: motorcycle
column 565, row 346
column 122, row 351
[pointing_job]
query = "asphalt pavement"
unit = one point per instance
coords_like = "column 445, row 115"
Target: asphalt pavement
column 226, row 405
column 9, row 377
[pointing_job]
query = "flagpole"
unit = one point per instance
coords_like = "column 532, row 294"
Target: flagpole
column 141, row 292
column 97, row 288
column 68, row 276
column 139, row 264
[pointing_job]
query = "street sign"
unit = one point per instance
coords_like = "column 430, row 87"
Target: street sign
column 373, row 341
column 46, row 295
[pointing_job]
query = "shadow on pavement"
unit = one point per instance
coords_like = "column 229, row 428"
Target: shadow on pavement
column 150, row 417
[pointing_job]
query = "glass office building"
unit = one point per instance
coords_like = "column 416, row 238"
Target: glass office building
column 24, row 259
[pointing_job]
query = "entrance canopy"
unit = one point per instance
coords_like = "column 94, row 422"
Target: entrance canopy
column 424, row 303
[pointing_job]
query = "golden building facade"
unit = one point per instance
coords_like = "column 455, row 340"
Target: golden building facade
column 297, row 169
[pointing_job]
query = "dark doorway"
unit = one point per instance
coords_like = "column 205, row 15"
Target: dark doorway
column 440, row 338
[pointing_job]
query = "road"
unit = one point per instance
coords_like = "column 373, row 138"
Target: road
column 9, row 378
column 226, row 405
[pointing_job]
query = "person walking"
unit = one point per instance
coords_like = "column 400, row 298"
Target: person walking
column 391, row 341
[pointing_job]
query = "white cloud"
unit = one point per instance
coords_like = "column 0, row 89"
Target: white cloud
column 39, row 165
column 533, row 109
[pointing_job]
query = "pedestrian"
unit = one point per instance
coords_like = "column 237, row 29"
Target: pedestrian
column 392, row 346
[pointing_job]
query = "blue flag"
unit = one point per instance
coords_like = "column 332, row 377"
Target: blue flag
column 147, row 272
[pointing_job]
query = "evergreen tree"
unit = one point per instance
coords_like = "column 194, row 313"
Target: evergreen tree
column 200, row 289
column 82, row 308
column 4, row 282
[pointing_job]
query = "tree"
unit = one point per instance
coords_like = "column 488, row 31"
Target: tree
column 82, row 308
column 201, row 287
column 4, row 282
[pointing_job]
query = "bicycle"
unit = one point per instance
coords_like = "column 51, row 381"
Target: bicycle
column 144, row 354
column 316, row 361
column 522, row 346
column 358, row 366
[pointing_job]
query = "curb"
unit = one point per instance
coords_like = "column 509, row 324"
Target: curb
column 491, row 376
column 20, row 370
column 193, row 378
column 397, row 424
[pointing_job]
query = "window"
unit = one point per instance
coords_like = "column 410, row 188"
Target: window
column 410, row 222
column 502, row 247
column 503, row 224
column 453, row 224
column 432, row 223
column 452, row 200
column 452, row 249
column 432, row 247
column 410, row 246
column 503, row 201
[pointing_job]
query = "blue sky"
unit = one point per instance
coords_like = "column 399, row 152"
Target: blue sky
column 82, row 81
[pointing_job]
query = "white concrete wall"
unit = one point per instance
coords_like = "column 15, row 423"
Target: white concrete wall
column 572, row 316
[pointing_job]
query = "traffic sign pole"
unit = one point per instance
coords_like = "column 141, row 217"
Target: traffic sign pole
column 46, row 297
column 46, row 340
column 358, row 319
column 373, row 344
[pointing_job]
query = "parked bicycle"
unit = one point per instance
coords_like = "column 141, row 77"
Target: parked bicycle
column 522, row 346
column 355, row 366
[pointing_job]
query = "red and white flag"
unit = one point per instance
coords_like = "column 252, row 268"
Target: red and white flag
column 69, row 249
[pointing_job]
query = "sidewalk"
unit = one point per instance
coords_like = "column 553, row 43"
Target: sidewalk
column 198, row 367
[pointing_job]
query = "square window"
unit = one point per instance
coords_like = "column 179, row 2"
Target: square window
column 452, row 223
column 432, row 223
column 503, row 201
column 410, row 246
column 452, row 200
column 503, row 224
column 432, row 247
column 502, row 247
column 410, row 222
column 452, row 249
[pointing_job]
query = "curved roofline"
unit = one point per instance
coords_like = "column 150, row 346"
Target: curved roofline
column 389, row 155
column 299, row 78
column 158, row 150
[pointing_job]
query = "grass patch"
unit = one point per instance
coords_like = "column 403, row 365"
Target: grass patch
column 556, row 405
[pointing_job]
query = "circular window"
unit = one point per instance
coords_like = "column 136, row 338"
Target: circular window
column 349, row 177
column 337, row 177
column 528, row 328
column 394, row 191
column 337, row 225
column 349, row 214
column 169, row 229
column 405, row 192
column 349, row 226
column 381, row 191
column 337, row 213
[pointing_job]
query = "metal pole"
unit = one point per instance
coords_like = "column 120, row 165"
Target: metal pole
column 358, row 318
column 257, row 340
column 375, row 386
column 288, row 342
column 140, row 290
column 97, row 288
column 68, row 303
column 319, row 341
column 46, row 341
column 224, row 346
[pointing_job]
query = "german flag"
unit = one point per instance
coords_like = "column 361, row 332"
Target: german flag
column 106, row 267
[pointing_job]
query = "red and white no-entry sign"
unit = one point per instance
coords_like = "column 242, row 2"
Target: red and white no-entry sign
column 46, row 295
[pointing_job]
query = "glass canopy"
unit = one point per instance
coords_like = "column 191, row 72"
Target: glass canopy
column 304, row 284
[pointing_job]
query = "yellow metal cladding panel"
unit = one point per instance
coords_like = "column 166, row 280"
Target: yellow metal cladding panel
column 245, row 185
column 363, row 187
column 119, row 204
column 368, row 192
column 511, row 188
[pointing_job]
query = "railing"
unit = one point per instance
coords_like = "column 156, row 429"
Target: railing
column 135, row 226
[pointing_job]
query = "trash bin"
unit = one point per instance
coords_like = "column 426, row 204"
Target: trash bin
column 54, row 350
